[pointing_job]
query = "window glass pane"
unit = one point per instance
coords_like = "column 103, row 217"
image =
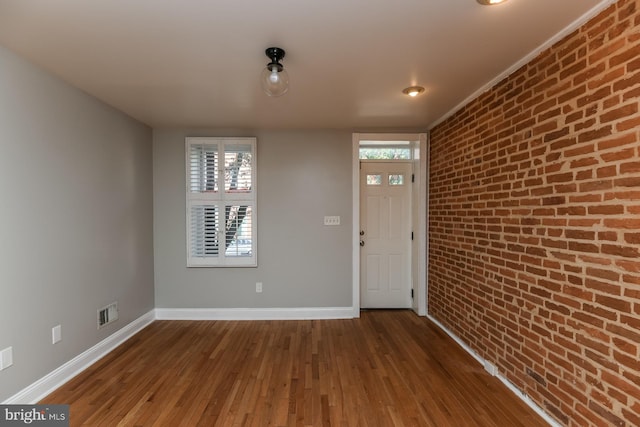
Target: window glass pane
column 204, row 231
column 375, row 179
column 396, row 179
column 221, row 199
column 237, row 168
column 203, row 168
column 238, row 231
column 385, row 153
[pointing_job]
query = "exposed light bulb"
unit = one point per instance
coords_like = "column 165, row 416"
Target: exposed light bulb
column 273, row 77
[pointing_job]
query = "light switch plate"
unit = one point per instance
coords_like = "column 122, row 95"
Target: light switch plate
column 332, row 220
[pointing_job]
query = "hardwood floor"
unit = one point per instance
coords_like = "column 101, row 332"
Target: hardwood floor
column 388, row 368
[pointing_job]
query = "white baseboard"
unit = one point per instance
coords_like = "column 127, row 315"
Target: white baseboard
column 50, row 382
column 515, row 390
column 254, row 313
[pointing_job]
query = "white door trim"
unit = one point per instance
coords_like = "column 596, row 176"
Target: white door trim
column 421, row 138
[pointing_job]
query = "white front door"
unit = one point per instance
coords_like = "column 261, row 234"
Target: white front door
column 385, row 235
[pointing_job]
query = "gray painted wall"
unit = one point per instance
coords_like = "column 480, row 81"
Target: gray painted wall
column 302, row 176
column 75, row 220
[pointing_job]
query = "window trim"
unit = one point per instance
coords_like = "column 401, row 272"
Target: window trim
column 222, row 199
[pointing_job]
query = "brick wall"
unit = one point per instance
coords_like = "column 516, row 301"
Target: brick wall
column 534, row 224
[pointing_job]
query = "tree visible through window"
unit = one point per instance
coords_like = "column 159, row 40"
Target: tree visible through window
column 221, row 200
column 385, row 153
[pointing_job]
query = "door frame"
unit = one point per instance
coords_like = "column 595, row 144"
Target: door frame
column 419, row 223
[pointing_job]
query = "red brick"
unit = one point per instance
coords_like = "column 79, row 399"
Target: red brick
column 629, row 153
column 631, row 266
column 617, row 141
column 583, row 247
column 596, row 96
column 611, row 76
column 628, row 182
column 631, row 123
column 595, row 134
column 631, row 167
column 616, row 304
column 606, row 414
column 633, row 238
column 584, row 162
column 612, row 101
column 623, row 223
column 622, row 84
column 580, row 151
column 560, row 177
column 534, row 229
column 595, row 260
column 623, row 251
column 624, row 332
column 580, row 234
column 610, row 236
column 632, row 363
column 588, row 187
column 583, row 175
column 619, row 113
column 603, row 274
column 607, row 172
column 606, row 210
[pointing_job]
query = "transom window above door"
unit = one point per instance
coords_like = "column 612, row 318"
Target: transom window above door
column 385, row 150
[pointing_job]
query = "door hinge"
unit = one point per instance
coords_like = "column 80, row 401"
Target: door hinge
column 411, row 293
column 413, row 177
column 412, row 235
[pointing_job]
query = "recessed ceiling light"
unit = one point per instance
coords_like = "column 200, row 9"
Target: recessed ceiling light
column 413, row 91
column 490, row 2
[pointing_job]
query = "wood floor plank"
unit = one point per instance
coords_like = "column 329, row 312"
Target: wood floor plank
column 387, row 368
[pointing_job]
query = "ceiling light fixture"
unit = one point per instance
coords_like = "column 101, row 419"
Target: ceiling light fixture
column 274, row 78
column 490, row 2
column 413, row 91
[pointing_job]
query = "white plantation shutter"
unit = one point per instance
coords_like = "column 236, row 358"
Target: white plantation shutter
column 203, row 228
column 221, row 202
column 202, row 172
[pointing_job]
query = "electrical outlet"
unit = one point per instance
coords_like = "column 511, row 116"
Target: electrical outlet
column 56, row 334
column 332, row 220
column 490, row 368
column 258, row 287
column 6, row 358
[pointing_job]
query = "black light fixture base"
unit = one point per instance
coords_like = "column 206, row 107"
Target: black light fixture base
column 275, row 54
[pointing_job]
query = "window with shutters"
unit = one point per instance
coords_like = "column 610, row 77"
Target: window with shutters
column 221, row 202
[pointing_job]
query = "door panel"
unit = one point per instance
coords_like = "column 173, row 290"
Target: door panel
column 373, row 273
column 385, row 210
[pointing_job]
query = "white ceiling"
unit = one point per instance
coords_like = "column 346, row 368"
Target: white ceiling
column 196, row 63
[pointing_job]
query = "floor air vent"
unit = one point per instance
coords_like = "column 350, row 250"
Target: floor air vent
column 107, row 314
